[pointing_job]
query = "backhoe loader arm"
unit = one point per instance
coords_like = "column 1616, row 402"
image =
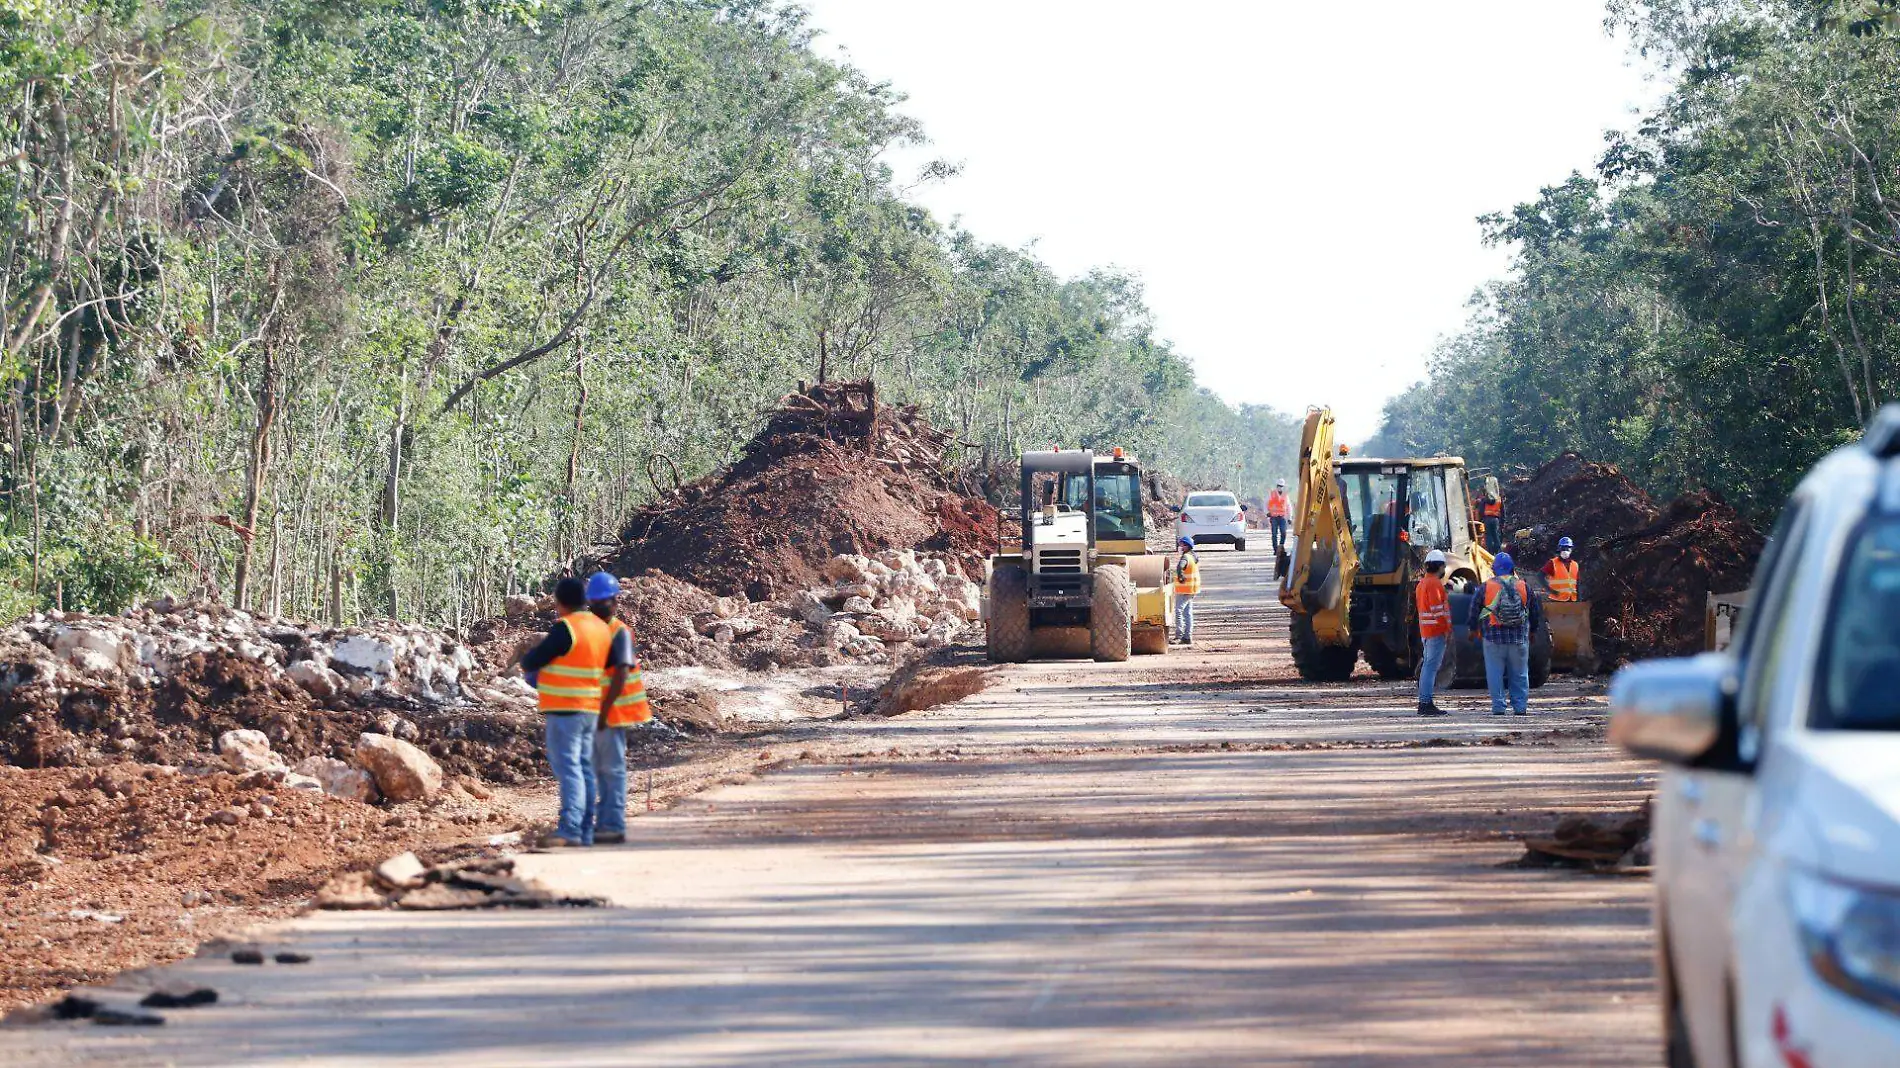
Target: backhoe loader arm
column 1324, row 560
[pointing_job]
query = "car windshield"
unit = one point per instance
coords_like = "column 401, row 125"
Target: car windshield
column 1860, row 657
column 1372, row 510
column 1211, row 500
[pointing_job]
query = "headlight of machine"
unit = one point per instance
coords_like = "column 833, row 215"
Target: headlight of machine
column 1851, row 936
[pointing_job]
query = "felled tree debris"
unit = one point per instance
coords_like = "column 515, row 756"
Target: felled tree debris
column 402, row 883
column 1603, row 843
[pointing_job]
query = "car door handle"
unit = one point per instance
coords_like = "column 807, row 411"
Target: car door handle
column 1707, row 833
column 1690, row 791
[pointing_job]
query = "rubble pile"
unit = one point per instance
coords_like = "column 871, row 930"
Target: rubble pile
column 169, row 683
column 1647, row 569
column 861, row 609
column 1606, row 842
column 832, row 473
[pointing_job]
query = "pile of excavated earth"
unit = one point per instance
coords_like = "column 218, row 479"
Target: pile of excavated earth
column 833, row 473
column 1647, row 568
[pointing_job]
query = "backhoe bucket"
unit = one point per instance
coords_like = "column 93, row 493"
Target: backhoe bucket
column 1571, row 648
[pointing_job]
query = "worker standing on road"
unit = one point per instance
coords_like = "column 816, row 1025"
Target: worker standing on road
column 1434, row 629
column 1187, row 586
column 1507, row 614
column 623, row 705
column 566, row 670
column 1279, row 509
column 1560, row 572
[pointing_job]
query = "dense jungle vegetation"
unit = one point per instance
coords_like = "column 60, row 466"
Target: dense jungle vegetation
column 346, row 307
column 1719, row 303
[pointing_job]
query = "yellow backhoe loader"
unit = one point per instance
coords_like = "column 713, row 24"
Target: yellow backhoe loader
column 1361, row 530
column 1084, row 568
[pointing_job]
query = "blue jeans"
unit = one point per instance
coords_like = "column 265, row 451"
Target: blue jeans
column 610, row 773
column 1507, row 665
column 1278, row 524
column 1428, row 666
column 1184, row 617
column 570, row 741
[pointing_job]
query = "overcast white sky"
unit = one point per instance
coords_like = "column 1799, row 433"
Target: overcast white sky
column 1296, row 183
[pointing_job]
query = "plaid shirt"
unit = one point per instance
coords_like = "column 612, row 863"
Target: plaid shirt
column 1518, row 635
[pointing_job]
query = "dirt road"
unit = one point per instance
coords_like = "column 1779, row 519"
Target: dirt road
column 1180, row 860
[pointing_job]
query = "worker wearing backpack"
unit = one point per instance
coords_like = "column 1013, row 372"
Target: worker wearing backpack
column 1507, row 613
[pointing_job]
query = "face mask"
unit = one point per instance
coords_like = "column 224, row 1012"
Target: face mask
column 1565, row 554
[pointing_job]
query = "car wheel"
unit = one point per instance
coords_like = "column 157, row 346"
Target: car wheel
column 1240, row 545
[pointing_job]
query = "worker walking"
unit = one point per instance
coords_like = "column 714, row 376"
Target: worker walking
column 566, row 669
column 1279, row 509
column 1187, row 586
column 1560, row 572
column 1507, row 613
column 623, row 705
column 1434, row 629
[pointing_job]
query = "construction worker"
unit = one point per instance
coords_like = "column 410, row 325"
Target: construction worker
column 1560, row 572
column 1434, row 629
column 624, row 705
column 566, row 670
column 1187, row 586
column 1491, row 506
column 1279, row 509
column 1506, row 613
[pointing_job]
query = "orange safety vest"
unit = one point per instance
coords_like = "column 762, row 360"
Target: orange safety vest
column 1562, row 579
column 1277, row 504
column 632, row 705
column 1491, row 591
column 1493, row 508
column 1187, row 577
column 1434, row 608
column 571, row 683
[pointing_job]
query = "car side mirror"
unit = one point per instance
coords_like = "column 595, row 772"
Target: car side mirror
column 1672, row 710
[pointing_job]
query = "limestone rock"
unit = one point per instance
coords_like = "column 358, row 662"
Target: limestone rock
column 402, row 772
column 317, row 680
column 338, row 779
column 247, row 750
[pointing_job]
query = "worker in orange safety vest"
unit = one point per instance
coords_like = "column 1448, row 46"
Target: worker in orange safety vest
column 1492, row 509
column 1434, row 629
column 1561, row 572
column 623, row 705
column 1279, row 509
column 1187, row 586
column 566, row 670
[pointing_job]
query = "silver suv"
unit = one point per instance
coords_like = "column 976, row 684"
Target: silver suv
column 1777, row 836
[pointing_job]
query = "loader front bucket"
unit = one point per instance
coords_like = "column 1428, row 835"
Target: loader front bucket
column 1571, row 648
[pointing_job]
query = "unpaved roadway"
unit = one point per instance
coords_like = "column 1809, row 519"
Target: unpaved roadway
column 1190, row 860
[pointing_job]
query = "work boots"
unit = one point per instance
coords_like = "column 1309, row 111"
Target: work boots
column 1428, row 708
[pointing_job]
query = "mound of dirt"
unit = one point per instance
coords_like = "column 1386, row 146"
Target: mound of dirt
column 1647, row 569
column 832, row 473
column 161, row 684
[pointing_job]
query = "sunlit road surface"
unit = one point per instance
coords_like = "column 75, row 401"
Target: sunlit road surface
column 1186, row 860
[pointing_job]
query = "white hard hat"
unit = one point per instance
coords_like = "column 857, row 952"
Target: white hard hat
column 1436, row 556
column 1281, row 483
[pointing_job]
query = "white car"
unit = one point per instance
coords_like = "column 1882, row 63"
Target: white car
column 1213, row 518
column 1777, row 834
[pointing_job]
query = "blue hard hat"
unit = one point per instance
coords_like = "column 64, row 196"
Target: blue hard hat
column 601, row 585
column 1188, row 542
column 1564, row 543
column 1504, row 565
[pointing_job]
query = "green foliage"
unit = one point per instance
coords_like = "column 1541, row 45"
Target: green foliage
column 1711, row 309
column 363, row 306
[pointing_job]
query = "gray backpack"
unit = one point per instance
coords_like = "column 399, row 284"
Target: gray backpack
column 1508, row 610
